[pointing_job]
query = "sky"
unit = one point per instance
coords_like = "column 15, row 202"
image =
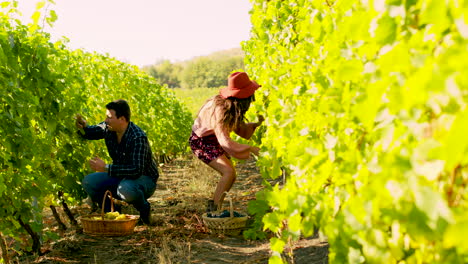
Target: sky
column 143, row 32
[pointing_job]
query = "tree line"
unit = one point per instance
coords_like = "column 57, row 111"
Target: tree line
column 209, row 71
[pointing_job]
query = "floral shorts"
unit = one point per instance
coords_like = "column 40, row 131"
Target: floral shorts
column 206, row 148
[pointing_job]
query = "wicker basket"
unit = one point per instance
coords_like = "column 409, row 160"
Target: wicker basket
column 225, row 225
column 107, row 227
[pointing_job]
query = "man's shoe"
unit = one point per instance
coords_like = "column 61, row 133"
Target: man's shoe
column 145, row 220
column 94, row 208
column 145, row 216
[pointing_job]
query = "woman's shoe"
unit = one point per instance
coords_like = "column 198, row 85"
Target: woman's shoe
column 211, row 207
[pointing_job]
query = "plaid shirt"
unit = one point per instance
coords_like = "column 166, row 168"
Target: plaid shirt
column 132, row 157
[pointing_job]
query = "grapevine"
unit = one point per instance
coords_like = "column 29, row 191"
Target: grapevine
column 44, row 85
column 366, row 114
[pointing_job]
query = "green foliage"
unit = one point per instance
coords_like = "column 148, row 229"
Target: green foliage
column 366, row 106
column 205, row 71
column 44, row 85
column 194, row 98
column 166, row 73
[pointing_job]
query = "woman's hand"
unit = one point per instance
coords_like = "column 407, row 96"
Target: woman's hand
column 260, row 119
column 254, row 150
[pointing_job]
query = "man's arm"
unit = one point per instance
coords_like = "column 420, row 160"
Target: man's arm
column 95, row 132
column 89, row 132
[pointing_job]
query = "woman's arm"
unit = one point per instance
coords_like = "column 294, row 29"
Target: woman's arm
column 233, row 148
column 246, row 130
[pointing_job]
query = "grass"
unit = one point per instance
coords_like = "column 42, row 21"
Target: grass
column 189, row 181
column 187, row 184
column 172, row 251
column 178, row 234
column 194, row 98
column 202, row 179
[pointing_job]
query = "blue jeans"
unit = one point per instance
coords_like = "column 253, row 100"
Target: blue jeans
column 133, row 191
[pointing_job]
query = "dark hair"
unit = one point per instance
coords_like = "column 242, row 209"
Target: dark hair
column 121, row 108
column 233, row 110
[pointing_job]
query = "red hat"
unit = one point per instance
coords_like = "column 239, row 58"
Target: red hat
column 239, row 86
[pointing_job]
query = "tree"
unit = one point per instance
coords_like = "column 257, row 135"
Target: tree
column 166, row 72
column 205, row 71
column 210, row 72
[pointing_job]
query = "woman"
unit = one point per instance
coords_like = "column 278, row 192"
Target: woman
column 218, row 117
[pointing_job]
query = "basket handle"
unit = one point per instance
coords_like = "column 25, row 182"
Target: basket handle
column 231, row 208
column 104, row 202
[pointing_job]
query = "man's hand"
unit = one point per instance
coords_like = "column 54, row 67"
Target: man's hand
column 80, row 122
column 97, row 164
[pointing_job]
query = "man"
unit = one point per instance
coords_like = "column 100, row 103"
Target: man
column 133, row 173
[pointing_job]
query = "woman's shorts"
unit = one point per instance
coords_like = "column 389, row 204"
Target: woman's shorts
column 206, row 148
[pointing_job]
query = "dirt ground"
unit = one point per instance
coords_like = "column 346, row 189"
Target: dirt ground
column 178, row 234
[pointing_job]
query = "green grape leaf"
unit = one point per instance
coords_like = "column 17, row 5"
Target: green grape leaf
column 275, row 259
column 295, row 223
column 277, row 245
column 51, row 18
column 386, row 31
column 434, row 12
column 272, row 221
column 3, row 187
column 456, row 234
column 432, row 205
column 35, row 17
column 350, row 70
column 456, row 144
